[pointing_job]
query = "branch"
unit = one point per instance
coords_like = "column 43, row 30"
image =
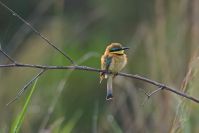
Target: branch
column 10, row 58
column 76, row 67
column 86, row 68
column 36, row 32
column 25, row 87
column 155, row 91
column 150, row 94
column 160, row 85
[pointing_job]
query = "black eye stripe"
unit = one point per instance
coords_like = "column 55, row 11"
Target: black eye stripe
column 115, row 49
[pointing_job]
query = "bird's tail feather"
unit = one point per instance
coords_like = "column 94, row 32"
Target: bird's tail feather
column 109, row 95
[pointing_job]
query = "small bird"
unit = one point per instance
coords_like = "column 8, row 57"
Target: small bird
column 113, row 60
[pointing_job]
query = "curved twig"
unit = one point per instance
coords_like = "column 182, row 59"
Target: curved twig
column 21, row 91
column 37, row 32
column 76, row 67
column 86, row 68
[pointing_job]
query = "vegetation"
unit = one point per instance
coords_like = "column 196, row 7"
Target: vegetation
column 162, row 35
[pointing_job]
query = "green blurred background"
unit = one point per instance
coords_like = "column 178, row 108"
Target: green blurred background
column 163, row 36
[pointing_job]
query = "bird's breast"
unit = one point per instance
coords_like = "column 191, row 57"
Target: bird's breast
column 118, row 63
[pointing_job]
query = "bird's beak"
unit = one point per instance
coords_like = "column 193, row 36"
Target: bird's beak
column 125, row 48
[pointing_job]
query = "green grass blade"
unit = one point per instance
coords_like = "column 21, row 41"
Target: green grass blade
column 72, row 123
column 115, row 126
column 19, row 119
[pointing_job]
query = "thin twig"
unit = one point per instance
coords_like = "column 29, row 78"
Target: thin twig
column 26, row 86
column 10, row 58
column 86, row 68
column 36, row 31
column 164, row 87
column 98, row 70
column 155, row 91
column 36, row 15
column 146, row 93
column 150, row 94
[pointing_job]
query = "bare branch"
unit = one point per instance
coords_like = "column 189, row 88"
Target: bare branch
column 76, row 67
column 149, row 94
column 36, row 31
column 155, row 91
column 86, row 68
column 10, row 58
column 25, row 87
column 164, row 87
column 146, row 93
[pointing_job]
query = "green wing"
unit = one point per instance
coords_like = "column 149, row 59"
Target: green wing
column 108, row 62
column 105, row 66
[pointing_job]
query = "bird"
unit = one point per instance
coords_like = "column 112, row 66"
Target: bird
column 113, row 61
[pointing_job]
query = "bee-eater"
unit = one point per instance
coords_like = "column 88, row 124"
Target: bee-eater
column 113, row 60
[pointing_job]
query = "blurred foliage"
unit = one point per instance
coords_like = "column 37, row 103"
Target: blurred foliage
column 162, row 34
